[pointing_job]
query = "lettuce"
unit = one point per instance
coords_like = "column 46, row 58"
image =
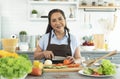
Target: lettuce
column 11, row 67
column 107, row 68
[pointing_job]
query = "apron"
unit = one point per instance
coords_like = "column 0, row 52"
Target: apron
column 59, row 50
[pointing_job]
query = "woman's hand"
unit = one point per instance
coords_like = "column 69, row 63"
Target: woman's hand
column 71, row 59
column 48, row 54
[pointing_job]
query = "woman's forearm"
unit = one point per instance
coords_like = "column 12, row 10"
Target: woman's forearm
column 38, row 55
column 78, row 60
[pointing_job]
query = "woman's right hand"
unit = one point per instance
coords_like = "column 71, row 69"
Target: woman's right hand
column 48, row 54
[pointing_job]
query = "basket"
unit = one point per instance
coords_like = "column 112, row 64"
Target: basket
column 9, row 44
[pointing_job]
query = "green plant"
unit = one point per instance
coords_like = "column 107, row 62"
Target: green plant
column 22, row 33
column 34, row 12
column 11, row 67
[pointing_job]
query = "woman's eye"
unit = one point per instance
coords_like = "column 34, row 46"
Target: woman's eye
column 53, row 20
column 60, row 19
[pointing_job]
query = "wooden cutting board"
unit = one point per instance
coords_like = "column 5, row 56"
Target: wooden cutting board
column 64, row 69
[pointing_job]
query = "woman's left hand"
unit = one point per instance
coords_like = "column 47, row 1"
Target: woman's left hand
column 71, row 59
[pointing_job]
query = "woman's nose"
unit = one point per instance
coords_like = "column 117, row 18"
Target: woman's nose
column 57, row 22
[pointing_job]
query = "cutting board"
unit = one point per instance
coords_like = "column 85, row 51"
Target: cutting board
column 64, row 69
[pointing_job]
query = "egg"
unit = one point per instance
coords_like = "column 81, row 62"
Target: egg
column 48, row 62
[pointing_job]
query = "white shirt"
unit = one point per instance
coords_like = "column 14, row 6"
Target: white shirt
column 43, row 43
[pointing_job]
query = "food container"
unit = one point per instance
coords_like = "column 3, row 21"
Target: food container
column 88, row 48
column 9, row 44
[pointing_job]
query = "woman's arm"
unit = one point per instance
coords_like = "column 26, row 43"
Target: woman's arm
column 39, row 54
column 77, row 55
column 76, row 58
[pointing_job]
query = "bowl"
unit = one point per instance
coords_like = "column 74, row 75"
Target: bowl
column 87, row 48
column 23, row 77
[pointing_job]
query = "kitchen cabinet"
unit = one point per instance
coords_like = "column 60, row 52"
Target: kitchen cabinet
column 86, row 54
column 44, row 6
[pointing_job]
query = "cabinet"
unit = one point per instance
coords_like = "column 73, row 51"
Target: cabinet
column 44, row 6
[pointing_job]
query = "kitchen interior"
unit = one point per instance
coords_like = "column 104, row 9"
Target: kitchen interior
column 97, row 21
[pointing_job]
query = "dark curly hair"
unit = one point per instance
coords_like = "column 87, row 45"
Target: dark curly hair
column 49, row 28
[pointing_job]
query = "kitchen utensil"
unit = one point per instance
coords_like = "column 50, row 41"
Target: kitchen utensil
column 58, row 58
column 92, row 61
column 64, row 69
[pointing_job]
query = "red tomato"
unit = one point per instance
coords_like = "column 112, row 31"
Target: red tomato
column 96, row 74
column 66, row 62
column 59, row 64
column 36, row 71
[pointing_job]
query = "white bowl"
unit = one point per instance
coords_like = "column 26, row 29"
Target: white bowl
column 87, row 48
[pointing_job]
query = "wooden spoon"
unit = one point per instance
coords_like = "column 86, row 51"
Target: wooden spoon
column 92, row 61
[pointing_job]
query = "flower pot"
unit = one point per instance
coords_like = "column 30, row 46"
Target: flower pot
column 34, row 15
column 23, row 38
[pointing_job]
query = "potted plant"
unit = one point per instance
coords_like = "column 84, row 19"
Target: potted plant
column 34, row 13
column 23, row 36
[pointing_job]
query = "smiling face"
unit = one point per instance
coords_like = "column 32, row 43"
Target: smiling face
column 57, row 22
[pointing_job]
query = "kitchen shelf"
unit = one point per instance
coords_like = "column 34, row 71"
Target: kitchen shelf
column 99, row 8
column 53, row 2
column 43, row 6
column 45, row 19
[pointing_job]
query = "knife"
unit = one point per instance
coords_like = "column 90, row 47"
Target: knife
column 58, row 58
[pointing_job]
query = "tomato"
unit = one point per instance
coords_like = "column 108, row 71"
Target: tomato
column 59, row 64
column 36, row 71
column 66, row 62
column 73, row 65
column 96, row 74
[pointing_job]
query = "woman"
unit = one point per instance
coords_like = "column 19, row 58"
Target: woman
column 58, row 41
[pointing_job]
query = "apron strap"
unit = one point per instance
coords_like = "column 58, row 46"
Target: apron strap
column 67, row 40
column 49, row 39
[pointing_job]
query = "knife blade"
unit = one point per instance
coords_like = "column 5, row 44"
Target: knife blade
column 58, row 58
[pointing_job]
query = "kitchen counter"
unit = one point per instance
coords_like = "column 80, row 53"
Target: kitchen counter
column 69, row 75
column 86, row 54
column 94, row 51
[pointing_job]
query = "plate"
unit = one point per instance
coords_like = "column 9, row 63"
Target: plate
column 81, row 72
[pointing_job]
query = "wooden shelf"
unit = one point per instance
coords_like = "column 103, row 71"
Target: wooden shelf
column 100, row 7
column 53, row 2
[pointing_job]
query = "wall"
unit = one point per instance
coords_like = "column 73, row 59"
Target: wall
column 14, row 19
column 0, row 32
